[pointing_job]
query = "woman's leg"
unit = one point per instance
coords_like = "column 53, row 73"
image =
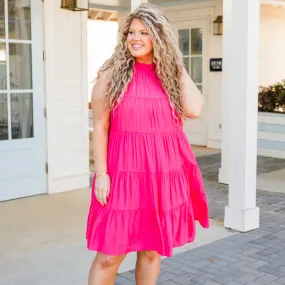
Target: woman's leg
column 147, row 267
column 104, row 269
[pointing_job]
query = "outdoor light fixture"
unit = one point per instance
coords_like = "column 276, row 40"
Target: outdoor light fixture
column 218, row 26
column 75, row 5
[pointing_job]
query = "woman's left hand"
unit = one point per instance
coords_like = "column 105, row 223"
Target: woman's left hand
column 102, row 189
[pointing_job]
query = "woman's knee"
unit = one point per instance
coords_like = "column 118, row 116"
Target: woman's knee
column 108, row 261
column 149, row 255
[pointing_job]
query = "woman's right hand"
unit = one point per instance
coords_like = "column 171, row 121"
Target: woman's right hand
column 102, row 188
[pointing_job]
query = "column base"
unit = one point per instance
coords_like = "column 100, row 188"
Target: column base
column 241, row 220
column 223, row 176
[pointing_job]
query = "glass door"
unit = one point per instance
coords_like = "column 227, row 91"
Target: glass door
column 192, row 37
column 191, row 45
column 22, row 133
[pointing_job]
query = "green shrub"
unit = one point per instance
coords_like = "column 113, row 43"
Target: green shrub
column 272, row 98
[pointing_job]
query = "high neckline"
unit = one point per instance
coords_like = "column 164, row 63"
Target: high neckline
column 144, row 66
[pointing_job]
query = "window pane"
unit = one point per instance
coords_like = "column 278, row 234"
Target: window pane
column 20, row 66
column 22, row 116
column 19, row 16
column 186, row 62
column 3, row 75
column 3, row 117
column 196, row 69
column 2, row 20
column 196, row 41
column 184, row 41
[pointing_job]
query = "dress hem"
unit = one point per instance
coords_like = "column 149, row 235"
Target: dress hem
column 170, row 254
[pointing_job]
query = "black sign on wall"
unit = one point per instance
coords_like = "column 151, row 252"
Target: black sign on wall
column 216, row 64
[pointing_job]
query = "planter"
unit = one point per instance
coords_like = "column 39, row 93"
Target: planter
column 271, row 134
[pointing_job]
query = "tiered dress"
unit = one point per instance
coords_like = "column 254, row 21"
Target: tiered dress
column 157, row 191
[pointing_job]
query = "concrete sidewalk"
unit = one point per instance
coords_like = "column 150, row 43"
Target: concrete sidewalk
column 42, row 240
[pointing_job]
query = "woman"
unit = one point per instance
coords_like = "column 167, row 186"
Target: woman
column 147, row 190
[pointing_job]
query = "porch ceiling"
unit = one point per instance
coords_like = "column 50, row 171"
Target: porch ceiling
column 99, row 14
column 110, row 5
column 124, row 5
column 279, row 3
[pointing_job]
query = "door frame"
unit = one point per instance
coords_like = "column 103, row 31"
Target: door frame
column 206, row 43
column 38, row 63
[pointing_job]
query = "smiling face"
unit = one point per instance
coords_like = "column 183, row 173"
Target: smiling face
column 139, row 42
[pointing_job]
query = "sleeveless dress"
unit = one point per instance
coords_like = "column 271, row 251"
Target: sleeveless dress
column 157, row 191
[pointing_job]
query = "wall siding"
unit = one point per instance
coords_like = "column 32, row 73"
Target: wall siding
column 272, row 45
column 66, row 97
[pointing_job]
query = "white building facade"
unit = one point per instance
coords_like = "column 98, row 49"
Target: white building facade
column 44, row 92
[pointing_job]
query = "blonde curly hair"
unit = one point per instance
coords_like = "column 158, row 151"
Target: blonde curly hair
column 167, row 58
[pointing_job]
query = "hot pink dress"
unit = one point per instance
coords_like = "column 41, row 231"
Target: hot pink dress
column 157, row 191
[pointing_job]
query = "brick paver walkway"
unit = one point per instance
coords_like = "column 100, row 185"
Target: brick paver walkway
column 253, row 258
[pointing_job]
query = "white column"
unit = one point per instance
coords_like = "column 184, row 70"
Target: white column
column 241, row 213
column 136, row 3
column 226, row 89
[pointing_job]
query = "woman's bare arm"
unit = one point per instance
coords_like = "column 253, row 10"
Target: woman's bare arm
column 101, row 119
column 101, row 123
column 192, row 99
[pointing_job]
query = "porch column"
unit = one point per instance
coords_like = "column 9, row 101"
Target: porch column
column 136, row 3
column 241, row 213
column 226, row 89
